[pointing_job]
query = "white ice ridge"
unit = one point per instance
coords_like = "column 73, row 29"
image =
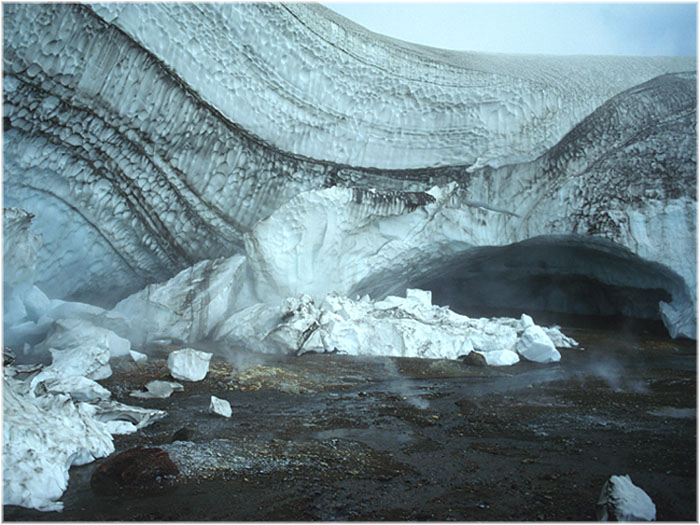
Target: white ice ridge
column 313, row 83
column 396, row 326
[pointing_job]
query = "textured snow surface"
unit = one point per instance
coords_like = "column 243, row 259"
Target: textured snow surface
column 164, row 172
column 402, row 105
column 622, row 500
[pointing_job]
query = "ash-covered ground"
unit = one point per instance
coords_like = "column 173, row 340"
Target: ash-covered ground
column 332, row 437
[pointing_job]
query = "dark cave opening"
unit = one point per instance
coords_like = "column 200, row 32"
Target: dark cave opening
column 567, row 280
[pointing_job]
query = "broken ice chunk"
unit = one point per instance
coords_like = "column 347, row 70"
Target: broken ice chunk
column 220, row 407
column 501, row 357
column 189, row 364
column 138, row 356
column 622, row 500
column 124, row 419
column 158, row 389
column 534, row 345
column 80, row 388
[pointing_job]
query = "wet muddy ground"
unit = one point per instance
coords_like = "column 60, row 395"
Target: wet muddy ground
column 330, row 437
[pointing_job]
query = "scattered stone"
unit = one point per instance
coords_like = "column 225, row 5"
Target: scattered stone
column 138, row 356
column 534, row 345
column 220, row 407
column 189, row 364
column 158, row 389
column 136, row 469
column 184, row 434
column 622, row 500
column 473, row 359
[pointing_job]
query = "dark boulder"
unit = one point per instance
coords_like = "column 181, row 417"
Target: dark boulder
column 473, row 359
column 140, row 469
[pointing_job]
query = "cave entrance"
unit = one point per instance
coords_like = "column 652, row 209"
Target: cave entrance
column 568, row 280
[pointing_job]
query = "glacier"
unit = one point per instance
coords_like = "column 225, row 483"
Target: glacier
column 276, row 177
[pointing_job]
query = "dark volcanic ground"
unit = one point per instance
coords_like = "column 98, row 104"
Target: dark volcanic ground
column 329, row 437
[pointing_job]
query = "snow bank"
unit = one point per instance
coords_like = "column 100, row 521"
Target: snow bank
column 52, row 421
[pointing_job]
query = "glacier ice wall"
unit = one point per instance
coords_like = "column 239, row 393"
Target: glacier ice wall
column 147, row 137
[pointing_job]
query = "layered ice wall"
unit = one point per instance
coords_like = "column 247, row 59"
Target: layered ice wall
column 148, row 137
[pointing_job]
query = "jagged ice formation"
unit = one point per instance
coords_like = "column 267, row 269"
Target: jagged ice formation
column 147, row 137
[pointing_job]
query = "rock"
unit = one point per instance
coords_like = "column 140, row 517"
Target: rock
column 184, row 434
column 219, row 407
column 474, row 359
column 534, row 345
column 622, row 500
column 142, row 469
column 189, row 364
column 158, row 389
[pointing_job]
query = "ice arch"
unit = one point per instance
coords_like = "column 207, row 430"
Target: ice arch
column 147, row 137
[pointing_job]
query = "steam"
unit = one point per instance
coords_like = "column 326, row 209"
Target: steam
column 403, row 386
column 613, row 372
column 241, row 358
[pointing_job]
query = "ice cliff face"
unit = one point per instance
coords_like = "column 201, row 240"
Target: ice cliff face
column 148, row 137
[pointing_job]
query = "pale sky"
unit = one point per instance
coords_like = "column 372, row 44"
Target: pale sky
column 554, row 28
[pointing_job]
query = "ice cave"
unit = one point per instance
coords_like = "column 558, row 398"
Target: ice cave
column 276, row 178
